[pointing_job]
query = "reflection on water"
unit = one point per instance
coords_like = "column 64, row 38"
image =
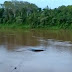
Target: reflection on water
column 35, row 38
column 15, row 51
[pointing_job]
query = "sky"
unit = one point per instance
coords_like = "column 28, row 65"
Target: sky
column 43, row 3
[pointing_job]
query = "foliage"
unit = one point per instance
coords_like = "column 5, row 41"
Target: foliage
column 25, row 13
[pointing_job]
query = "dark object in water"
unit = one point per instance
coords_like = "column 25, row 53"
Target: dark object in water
column 15, row 68
column 37, row 50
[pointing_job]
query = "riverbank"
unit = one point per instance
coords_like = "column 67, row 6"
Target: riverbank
column 29, row 27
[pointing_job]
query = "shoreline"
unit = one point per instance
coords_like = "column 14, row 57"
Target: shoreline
column 28, row 27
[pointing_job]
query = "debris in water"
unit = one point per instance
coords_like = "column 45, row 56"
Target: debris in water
column 15, row 68
column 37, row 50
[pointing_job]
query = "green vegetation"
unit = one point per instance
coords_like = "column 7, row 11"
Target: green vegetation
column 19, row 14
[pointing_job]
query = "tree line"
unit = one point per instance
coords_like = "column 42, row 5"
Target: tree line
column 25, row 13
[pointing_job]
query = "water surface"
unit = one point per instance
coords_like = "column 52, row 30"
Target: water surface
column 16, row 53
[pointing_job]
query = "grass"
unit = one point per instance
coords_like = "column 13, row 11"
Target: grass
column 14, row 26
column 27, row 27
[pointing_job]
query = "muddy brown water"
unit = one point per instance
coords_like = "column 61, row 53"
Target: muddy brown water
column 17, row 55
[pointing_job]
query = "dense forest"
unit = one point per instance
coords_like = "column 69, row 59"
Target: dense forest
column 28, row 14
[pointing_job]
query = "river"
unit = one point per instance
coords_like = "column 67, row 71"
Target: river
column 17, row 51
